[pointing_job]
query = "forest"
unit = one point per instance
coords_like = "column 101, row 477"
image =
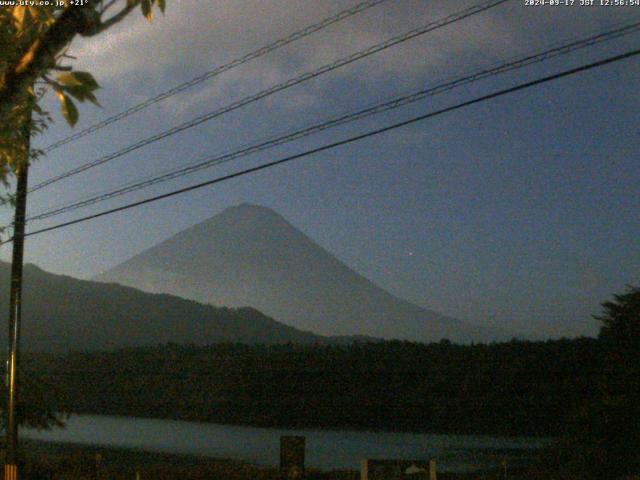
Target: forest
column 585, row 392
column 507, row 388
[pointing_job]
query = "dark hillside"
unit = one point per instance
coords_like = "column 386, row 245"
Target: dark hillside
column 63, row 313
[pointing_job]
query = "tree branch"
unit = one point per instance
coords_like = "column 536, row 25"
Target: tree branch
column 108, row 6
column 41, row 55
column 115, row 19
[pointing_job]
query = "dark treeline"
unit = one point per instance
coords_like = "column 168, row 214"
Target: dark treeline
column 507, row 388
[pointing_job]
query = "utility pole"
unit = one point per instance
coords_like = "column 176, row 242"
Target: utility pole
column 15, row 304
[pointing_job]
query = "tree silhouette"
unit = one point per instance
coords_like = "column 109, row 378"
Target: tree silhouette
column 621, row 319
column 615, row 428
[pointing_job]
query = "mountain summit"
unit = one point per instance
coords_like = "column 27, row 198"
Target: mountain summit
column 249, row 255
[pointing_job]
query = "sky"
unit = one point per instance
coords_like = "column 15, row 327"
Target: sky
column 520, row 212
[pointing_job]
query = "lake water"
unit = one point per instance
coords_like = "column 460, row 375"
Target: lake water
column 324, row 449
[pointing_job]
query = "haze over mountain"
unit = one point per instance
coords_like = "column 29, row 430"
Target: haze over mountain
column 63, row 313
column 249, row 255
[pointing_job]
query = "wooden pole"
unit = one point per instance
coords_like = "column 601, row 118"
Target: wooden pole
column 15, row 304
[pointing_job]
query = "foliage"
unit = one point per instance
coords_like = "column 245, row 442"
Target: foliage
column 509, row 388
column 615, row 430
column 620, row 333
column 584, row 391
column 34, row 61
column 621, row 319
column 602, row 435
column 42, row 404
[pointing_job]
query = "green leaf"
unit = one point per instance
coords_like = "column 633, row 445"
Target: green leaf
column 37, row 109
column 35, row 12
column 86, row 79
column 92, row 98
column 77, row 93
column 68, row 79
column 75, row 79
column 79, row 85
column 146, row 9
column 19, row 16
column 69, row 110
column 81, row 94
column 162, row 4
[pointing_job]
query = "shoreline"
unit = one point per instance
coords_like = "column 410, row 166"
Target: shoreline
column 43, row 459
column 455, row 453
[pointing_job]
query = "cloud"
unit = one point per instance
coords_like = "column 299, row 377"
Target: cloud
column 191, row 39
column 141, row 59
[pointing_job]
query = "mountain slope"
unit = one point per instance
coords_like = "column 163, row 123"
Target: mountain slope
column 250, row 255
column 62, row 313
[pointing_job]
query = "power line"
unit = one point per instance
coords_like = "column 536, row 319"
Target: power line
column 279, row 87
column 340, row 120
column 344, row 14
column 356, row 138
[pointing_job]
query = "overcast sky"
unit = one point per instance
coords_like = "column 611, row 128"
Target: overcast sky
column 522, row 211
